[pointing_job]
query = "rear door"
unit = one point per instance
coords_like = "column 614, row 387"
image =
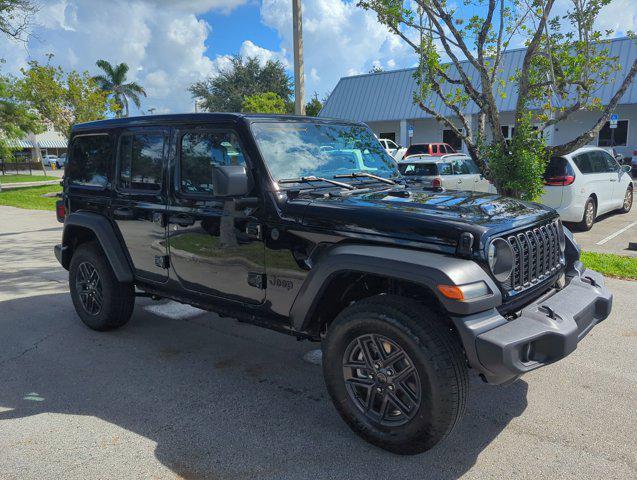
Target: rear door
column 215, row 248
column 604, row 178
column 462, row 178
column 140, row 201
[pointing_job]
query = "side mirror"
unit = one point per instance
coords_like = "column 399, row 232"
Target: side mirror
column 626, row 168
column 230, row 181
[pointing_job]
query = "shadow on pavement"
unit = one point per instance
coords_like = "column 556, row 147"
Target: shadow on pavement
column 220, row 399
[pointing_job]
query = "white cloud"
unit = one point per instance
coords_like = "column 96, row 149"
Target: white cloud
column 249, row 49
column 162, row 41
column 339, row 38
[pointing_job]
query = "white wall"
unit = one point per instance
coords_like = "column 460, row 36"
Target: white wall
column 384, row 127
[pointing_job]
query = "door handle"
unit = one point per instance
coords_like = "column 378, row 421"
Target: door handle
column 124, row 213
column 182, row 220
column 460, row 181
column 613, row 179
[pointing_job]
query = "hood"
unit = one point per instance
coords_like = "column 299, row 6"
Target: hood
column 422, row 216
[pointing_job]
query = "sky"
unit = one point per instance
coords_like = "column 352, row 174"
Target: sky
column 170, row 44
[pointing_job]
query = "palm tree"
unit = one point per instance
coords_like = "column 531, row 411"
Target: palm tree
column 113, row 81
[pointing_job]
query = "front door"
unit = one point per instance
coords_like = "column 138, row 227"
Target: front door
column 139, row 205
column 215, row 248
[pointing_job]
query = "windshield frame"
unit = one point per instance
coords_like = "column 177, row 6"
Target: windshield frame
column 359, row 181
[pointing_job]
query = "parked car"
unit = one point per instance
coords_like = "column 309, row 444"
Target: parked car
column 585, row 184
column 404, row 290
column 433, row 149
column 61, row 160
column 451, row 172
column 391, row 147
column 47, row 160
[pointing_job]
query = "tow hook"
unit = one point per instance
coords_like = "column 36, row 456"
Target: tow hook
column 548, row 310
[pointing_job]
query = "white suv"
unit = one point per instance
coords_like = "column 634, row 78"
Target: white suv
column 392, row 148
column 586, row 183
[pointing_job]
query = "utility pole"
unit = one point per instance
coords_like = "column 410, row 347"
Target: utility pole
column 299, row 84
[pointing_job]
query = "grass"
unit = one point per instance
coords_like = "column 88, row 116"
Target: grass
column 611, row 265
column 25, row 178
column 30, row 198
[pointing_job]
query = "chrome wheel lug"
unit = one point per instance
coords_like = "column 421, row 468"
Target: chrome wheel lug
column 391, row 387
column 379, row 390
column 390, row 372
column 377, row 366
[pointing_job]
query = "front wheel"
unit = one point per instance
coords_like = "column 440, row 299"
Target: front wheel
column 628, row 200
column 102, row 302
column 396, row 373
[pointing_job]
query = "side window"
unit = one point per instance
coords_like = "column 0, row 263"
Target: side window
column 199, row 151
column 598, row 160
column 611, row 163
column 584, row 162
column 445, row 169
column 90, row 160
column 141, row 158
column 471, row 166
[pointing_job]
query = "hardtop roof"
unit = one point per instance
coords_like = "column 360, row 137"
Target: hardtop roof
column 215, row 117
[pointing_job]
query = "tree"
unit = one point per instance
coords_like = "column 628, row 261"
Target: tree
column 15, row 18
column 268, row 102
column 565, row 63
column 61, row 98
column 16, row 119
column 314, row 106
column 114, row 82
column 244, row 78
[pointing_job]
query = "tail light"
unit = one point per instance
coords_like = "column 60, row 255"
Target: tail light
column 436, row 183
column 560, row 181
column 60, row 210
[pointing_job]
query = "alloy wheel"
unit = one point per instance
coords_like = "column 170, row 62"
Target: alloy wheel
column 590, row 214
column 381, row 380
column 89, row 288
column 628, row 199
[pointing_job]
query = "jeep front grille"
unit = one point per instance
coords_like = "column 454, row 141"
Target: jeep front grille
column 536, row 255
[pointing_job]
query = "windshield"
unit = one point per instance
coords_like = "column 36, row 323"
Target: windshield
column 301, row 149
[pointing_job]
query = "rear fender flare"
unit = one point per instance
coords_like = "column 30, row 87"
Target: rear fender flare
column 107, row 238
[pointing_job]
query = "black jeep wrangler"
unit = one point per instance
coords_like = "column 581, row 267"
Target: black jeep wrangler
column 306, row 226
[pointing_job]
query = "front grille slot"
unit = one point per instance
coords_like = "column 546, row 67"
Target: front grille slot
column 536, row 255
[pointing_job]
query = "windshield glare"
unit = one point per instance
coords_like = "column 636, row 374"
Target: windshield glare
column 301, row 149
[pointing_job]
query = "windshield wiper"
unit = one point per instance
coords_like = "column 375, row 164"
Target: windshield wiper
column 366, row 175
column 317, row 179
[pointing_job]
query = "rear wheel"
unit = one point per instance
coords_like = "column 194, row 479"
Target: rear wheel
column 628, row 200
column 101, row 301
column 590, row 210
column 395, row 373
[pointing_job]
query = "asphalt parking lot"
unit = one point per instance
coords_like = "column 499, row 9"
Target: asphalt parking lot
column 611, row 233
column 192, row 396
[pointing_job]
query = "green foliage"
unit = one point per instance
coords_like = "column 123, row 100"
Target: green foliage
column 62, row 98
column 517, row 166
column 244, row 78
column 268, row 102
column 314, row 106
column 113, row 81
column 16, row 119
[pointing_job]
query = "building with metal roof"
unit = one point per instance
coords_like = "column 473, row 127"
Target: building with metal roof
column 385, row 101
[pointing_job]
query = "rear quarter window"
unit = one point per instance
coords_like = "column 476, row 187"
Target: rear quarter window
column 90, row 160
column 558, row 167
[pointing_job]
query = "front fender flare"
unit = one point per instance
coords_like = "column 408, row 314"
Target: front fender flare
column 428, row 269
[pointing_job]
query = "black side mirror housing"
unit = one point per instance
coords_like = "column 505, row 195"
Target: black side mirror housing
column 230, row 181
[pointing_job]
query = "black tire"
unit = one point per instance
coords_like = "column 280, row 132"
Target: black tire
column 628, row 200
column 117, row 298
column 432, row 348
column 590, row 213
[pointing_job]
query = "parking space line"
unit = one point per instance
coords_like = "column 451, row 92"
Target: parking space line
column 618, row 232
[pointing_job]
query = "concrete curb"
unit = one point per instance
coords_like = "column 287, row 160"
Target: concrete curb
column 13, row 186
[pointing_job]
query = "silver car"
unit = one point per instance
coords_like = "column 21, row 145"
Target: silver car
column 452, row 172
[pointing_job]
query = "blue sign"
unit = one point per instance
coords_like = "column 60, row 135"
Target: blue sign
column 614, row 117
column 410, row 130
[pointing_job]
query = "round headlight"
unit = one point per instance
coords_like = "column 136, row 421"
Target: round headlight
column 500, row 256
